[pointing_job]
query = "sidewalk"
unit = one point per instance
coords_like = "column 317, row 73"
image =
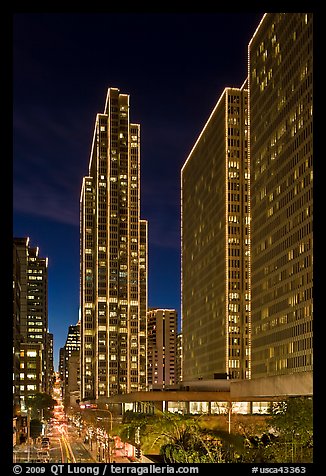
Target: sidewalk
column 95, row 454
column 25, row 451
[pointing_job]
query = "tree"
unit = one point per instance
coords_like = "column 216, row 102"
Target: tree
column 181, row 439
column 183, row 446
column 284, row 436
column 292, row 421
column 41, row 404
column 35, row 428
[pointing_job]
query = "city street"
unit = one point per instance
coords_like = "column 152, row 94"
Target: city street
column 68, row 444
column 65, row 447
column 73, row 442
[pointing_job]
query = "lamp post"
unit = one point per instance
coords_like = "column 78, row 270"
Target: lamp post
column 107, row 410
column 229, row 416
column 28, row 432
column 110, row 434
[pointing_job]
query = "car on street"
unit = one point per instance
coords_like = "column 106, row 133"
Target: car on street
column 43, row 456
column 45, row 442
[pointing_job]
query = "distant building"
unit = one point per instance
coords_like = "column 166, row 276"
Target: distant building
column 72, row 391
column 215, row 245
column 113, row 258
column 72, row 347
column 161, row 342
column 281, row 150
column 61, row 364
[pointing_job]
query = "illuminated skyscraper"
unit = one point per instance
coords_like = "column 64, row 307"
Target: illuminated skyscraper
column 32, row 269
column 71, row 348
column 113, row 258
column 281, row 155
column 17, row 338
column 72, row 345
column 215, row 233
column 50, row 363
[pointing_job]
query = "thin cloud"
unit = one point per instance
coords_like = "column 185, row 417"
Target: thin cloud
column 41, row 199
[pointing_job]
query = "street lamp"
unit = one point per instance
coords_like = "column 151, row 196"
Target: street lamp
column 110, row 417
column 29, row 432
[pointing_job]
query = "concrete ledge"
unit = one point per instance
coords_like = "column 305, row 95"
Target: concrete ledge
column 297, row 384
column 171, row 396
column 263, row 389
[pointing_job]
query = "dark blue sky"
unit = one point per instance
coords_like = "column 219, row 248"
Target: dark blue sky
column 174, row 66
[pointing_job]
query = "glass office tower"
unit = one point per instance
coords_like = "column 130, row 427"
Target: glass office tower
column 281, row 155
column 215, row 235
column 113, row 258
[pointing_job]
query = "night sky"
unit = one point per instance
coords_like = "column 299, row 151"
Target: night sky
column 173, row 66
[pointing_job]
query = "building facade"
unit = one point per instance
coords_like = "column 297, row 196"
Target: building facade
column 16, row 330
column 281, row 157
column 215, row 245
column 61, row 364
column 35, row 376
column 31, row 371
column 72, row 389
column 50, row 361
column 178, row 363
column 72, row 346
column 113, row 258
column 162, row 347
